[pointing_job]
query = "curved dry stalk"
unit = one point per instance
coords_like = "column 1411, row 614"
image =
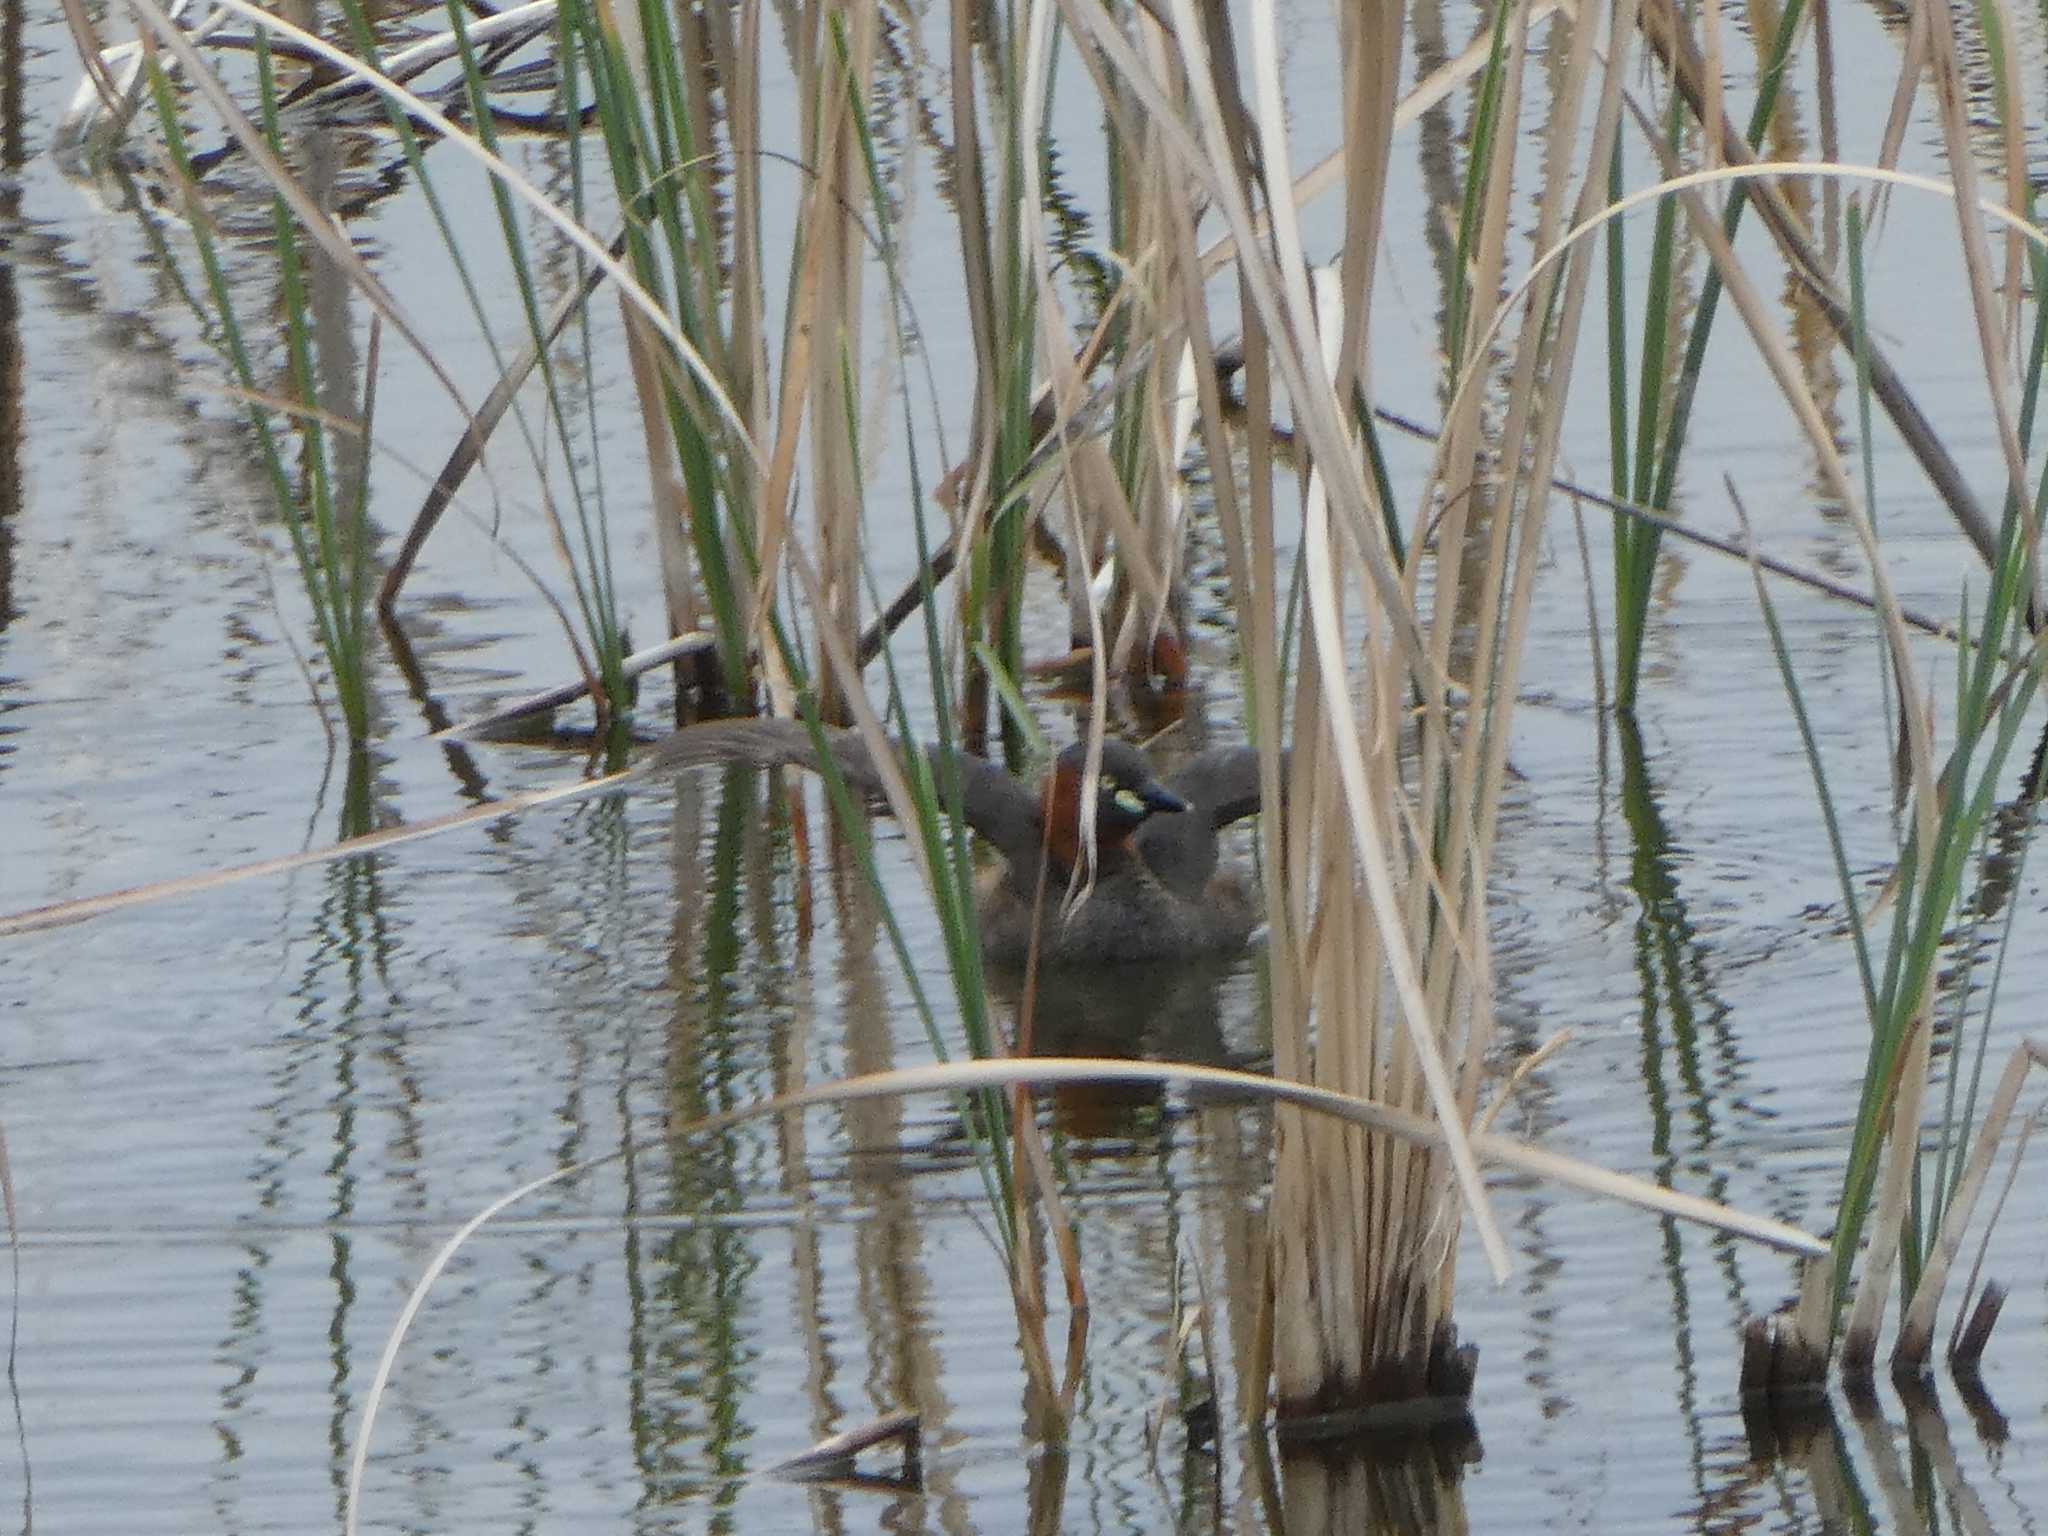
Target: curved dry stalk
column 1814, row 272
column 84, row 908
column 966, row 1076
column 1912, row 425
column 1278, row 291
column 1757, row 171
column 1902, row 1153
column 1777, row 357
column 1732, row 548
column 1959, row 138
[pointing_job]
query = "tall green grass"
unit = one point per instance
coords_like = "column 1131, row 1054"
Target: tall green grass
column 651, row 121
column 1893, row 1200
column 1647, row 471
column 322, row 504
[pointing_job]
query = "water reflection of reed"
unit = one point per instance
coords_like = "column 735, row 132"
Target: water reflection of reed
column 1379, row 1486
column 1909, row 1473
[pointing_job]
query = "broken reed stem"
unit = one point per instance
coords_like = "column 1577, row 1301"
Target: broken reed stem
column 1968, row 1351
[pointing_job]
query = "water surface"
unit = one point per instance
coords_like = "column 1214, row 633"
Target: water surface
column 240, row 1124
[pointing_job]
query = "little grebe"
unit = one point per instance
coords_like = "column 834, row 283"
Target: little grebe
column 1159, row 891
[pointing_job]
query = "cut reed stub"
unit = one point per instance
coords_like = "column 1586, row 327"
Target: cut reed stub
column 1785, row 1409
column 1786, row 1354
column 1778, row 1360
column 1401, row 1398
column 1968, row 1352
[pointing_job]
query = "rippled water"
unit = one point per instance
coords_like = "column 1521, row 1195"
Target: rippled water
column 240, row 1124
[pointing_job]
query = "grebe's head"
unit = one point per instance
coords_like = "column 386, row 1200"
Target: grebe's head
column 1126, row 793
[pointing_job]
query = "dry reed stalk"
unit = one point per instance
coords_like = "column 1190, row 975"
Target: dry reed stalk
column 1167, row 504
column 1888, row 1221
column 1099, row 516
column 1713, row 117
column 831, row 229
column 1485, row 613
column 1916, row 1327
column 821, row 342
column 1151, row 590
column 1469, row 497
column 732, row 56
column 2009, row 101
column 1035, row 1188
column 468, row 452
column 684, row 604
column 1997, row 335
column 1247, row 529
column 1912, row 66
column 823, row 352
column 967, row 177
column 772, row 533
column 1132, row 505
column 1500, row 599
column 1960, row 142
column 1324, row 1246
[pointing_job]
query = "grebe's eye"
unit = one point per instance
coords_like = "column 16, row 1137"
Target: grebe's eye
column 1128, row 802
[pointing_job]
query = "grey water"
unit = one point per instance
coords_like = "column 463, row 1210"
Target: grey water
column 239, row 1124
